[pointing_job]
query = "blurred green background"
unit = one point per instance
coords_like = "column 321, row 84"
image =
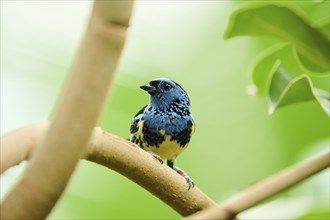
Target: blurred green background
column 236, row 143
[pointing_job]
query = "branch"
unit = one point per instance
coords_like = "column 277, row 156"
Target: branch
column 57, row 154
column 120, row 155
column 133, row 162
column 266, row 188
column 17, row 145
column 127, row 159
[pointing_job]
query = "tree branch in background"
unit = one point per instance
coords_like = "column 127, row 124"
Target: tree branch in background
column 266, row 188
column 54, row 159
column 120, row 155
column 17, row 145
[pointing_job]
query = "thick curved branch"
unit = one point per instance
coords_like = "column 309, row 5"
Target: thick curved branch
column 55, row 158
column 266, row 188
column 131, row 161
column 124, row 157
column 120, row 155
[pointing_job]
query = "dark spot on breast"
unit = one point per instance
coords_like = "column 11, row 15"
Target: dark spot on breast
column 152, row 137
column 183, row 137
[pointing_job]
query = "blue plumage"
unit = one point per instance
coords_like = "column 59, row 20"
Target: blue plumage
column 164, row 127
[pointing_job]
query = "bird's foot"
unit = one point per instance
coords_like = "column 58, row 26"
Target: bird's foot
column 190, row 182
column 156, row 156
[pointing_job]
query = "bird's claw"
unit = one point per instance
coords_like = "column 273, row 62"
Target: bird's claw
column 190, row 182
column 156, row 156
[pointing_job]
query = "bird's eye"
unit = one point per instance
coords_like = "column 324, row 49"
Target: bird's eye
column 166, row 86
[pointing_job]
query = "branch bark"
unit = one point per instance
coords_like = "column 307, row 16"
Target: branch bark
column 55, row 158
column 120, row 155
column 129, row 160
column 16, row 146
column 266, row 188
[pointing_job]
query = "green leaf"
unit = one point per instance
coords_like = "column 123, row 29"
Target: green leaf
column 324, row 27
column 285, row 90
column 265, row 65
column 309, row 65
column 323, row 97
column 278, row 21
column 262, row 69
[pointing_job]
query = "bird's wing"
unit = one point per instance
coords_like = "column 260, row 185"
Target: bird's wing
column 134, row 124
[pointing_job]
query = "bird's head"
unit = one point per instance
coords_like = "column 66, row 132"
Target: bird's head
column 164, row 92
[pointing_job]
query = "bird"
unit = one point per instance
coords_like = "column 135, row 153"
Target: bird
column 164, row 127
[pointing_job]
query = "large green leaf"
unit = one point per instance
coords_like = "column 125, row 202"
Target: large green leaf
column 309, row 65
column 285, row 90
column 324, row 27
column 279, row 21
column 265, row 64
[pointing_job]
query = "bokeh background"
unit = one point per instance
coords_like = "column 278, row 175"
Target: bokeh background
column 236, row 142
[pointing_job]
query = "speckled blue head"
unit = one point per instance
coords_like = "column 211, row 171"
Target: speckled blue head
column 165, row 92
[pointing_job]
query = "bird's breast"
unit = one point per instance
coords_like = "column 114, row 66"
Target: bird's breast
column 166, row 135
column 168, row 149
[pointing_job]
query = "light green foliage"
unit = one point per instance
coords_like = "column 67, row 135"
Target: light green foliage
column 306, row 52
column 284, row 23
column 265, row 65
column 324, row 27
column 285, row 90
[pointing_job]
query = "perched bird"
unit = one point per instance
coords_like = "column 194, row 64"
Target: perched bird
column 164, row 126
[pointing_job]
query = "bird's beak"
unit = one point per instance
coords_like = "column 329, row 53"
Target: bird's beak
column 149, row 88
